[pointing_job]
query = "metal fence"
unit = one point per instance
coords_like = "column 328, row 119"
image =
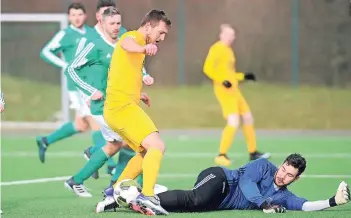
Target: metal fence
column 286, row 41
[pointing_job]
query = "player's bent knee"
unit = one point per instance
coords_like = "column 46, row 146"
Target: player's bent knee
column 92, row 123
column 154, row 141
column 233, row 120
column 248, row 119
column 80, row 124
column 111, row 148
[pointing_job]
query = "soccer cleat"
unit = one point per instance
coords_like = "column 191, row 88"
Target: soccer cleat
column 108, row 191
column 78, row 189
column 108, row 204
column 256, row 155
column 148, row 205
column 42, row 146
column 87, row 156
column 223, row 160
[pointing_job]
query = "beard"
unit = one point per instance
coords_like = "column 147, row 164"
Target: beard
column 281, row 186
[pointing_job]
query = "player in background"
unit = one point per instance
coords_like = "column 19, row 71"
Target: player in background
column 220, row 67
column 123, row 113
column 90, row 77
column 66, row 43
column 2, row 102
column 125, row 154
column 258, row 185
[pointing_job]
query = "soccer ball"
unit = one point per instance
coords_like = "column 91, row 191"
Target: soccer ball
column 126, row 191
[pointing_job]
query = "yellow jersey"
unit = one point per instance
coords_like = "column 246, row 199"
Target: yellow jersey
column 124, row 82
column 220, row 66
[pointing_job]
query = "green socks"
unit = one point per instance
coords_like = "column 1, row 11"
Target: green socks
column 65, row 131
column 98, row 141
column 97, row 160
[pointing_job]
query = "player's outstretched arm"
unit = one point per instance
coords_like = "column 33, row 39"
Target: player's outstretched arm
column 80, row 62
column 341, row 197
column 130, row 45
column 50, row 50
column 240, row 76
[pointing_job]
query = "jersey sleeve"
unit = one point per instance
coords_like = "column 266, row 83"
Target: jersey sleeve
column 292, row 202
column 50, row 50
column 251, row 174
column 75, row 68
column 212, row 63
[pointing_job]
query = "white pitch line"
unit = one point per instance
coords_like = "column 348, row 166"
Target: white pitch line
column 69, row 154
column 163, row 176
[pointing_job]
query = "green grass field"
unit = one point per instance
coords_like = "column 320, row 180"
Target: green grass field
column 329, row 161
column 274, row 106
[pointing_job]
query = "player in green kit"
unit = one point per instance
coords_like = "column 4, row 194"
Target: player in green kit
column 66, row 43
column 90, row 72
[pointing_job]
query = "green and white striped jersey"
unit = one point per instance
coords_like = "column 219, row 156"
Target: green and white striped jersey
column 89, row 70
column 66, row 43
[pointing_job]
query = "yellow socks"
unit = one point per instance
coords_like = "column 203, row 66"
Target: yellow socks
column 132, row 170
column 250, row 137
column 151, row 167
column 227, row 139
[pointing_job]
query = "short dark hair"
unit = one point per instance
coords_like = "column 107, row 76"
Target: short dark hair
column 105, row 3
column 110, row 11
column 297, row 161
column 76, row 5
column 154, row 17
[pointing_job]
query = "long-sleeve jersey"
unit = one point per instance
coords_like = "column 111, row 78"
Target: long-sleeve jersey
column 64, row 42
column 89, row 70
column 220, row 65
column 252, row 184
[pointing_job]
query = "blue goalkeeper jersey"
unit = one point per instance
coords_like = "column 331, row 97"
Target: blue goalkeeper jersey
column 252, row 184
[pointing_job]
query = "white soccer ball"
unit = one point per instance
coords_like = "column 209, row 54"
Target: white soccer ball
column 126, row 191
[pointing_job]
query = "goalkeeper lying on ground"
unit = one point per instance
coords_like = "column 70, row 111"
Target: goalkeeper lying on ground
column 258, row 185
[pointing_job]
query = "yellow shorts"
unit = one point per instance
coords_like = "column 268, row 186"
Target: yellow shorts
column 234, row 103
column 131, row 123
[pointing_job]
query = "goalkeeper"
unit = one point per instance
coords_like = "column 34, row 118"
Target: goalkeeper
column 258, row 185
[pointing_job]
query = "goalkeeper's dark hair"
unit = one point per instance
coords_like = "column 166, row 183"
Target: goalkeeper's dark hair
column 76, row 5
column 154, row 17
column 105, row 3
column 297, row 161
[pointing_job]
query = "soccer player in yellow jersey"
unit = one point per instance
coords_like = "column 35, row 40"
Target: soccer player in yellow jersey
column 123, row 113
column 220, row 67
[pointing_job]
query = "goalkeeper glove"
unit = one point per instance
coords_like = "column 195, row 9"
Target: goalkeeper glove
column 268, row 208
column 342, row 195
column 227, row 84
column 249, row 76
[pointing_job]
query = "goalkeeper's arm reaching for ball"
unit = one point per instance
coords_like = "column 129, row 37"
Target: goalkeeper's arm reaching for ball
column 293, row 202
